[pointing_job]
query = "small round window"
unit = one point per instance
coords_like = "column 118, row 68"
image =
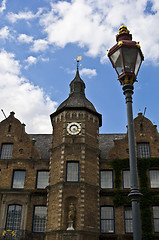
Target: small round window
column 21, row 151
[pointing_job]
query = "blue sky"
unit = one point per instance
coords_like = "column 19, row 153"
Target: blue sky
column 39, row 40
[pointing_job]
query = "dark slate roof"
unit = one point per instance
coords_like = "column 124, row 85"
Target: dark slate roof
column 77, row 100
column 106, row 142
column 77, row 96
column 43, row 143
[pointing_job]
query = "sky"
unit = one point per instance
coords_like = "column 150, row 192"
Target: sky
column 40, row 41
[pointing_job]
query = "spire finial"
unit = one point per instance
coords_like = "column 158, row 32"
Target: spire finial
column 79, row 58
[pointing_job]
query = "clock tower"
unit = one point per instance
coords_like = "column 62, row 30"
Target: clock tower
column 73, row 192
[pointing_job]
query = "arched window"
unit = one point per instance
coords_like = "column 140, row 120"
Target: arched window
column 13, row 219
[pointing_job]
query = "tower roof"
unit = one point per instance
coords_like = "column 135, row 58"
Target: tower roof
column 77, row 84
column 77, row 96
column 77, row 99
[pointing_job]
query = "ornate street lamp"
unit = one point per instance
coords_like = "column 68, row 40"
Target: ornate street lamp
column 126, row 57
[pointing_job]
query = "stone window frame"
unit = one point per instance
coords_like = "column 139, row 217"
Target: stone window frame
column 6, row 151
column 111, row 179
column 12, row 199
column 127, row 220
column 22, row 181
column 35, row 228
column 74, row 178
column 103, row 219
column 37, row 179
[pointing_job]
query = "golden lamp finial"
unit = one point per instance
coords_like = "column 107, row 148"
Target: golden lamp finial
column 123, row 29
column 124, row 33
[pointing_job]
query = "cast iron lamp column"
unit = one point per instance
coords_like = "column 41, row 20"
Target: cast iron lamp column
column 126, row 57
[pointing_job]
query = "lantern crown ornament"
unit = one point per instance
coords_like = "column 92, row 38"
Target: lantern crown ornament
column 126, row 56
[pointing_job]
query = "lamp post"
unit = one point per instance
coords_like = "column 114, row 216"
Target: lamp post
column 126, row 58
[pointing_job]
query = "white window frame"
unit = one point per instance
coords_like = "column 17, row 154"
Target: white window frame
column 126, row 179
column 154, row 179
column 128, row 222
column 155, row 211
column 107, row 219
column 106, row 179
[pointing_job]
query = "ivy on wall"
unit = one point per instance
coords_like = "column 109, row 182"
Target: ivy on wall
column 147, row 200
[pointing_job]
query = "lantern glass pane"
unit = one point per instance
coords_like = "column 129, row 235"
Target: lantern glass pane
column 117, row 61
column 129, row 58
column 138, row 62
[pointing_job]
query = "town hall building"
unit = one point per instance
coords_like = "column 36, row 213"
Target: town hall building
column 73, row 184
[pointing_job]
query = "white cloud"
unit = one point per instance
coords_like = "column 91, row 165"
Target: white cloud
column 74, row 22
column 88, row 72
column 33, row 60
column 29, row 102
column 39, row 45
column 94, row 24
column 44, row 59
column 30, row 60
column 8, row 65
column 25, row 38
column 3, row 6
column 84, row 72
column 27, row 15
column 4, row 32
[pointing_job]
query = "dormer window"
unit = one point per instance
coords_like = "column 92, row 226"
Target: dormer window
column 143, row 150
column 6, row 151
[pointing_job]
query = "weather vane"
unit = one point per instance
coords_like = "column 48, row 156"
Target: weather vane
column 79, row 58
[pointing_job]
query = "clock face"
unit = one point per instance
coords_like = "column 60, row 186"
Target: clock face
column 74, row 128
